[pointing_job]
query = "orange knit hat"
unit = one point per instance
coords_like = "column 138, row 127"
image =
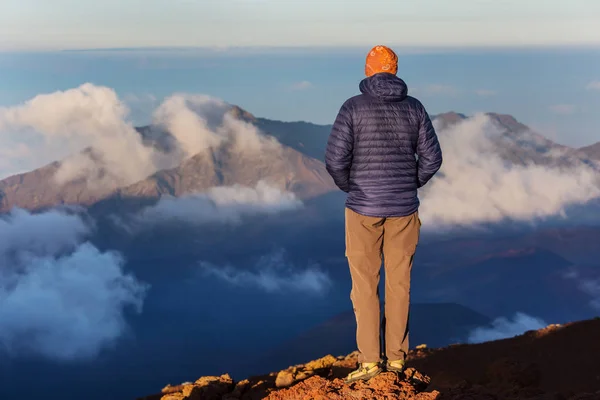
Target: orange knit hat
column 381, row 59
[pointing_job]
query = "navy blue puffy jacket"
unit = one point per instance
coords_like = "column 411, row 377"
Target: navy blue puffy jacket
column 371, row 151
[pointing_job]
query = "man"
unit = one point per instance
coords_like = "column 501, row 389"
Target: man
column 382, row 148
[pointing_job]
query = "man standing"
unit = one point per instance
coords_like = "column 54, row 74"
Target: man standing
column 382, row 148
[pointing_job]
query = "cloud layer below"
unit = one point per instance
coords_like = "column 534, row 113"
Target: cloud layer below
column 60, row 297
column 272, row 274
column 227, row 204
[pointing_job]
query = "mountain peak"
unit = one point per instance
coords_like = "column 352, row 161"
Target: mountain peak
column 451, row 115
column 241, row 114
column 448, row 119
column 508, row 121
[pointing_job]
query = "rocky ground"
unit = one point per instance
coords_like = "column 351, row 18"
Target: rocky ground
column 556, row 363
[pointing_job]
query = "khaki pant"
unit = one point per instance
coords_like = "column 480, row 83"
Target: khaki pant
column 369, row 240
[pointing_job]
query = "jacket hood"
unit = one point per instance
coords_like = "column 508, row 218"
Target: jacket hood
column 384, row 86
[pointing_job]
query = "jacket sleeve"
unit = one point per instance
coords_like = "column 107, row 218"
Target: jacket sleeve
column 338, row 155
column 428, row 149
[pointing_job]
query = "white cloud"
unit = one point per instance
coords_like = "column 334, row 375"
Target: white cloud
column 188, row 119
column 476, row 186
column 303, row 85
column 201, row 122
column 61, row 124
column 563, row 109
column 503, row 328
column 60, row 297
column 273, row 274
column 485, row 92
column 221, row 204
column 594, row 85
column 247, row 139
column 58, row 126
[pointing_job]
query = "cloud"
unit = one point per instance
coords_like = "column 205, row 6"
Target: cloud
column 273, row 274
column 592, row 288
column 189, row 118
column 246, row 139
column 563, row 109
column 58, row 126
column 40, row 234
column 589, row 286
column 475, row 185
column 503, row 328
column 485, row 92
column 60, row 297
column 594, row 85
column 221, row 204
column 199, row 123
column 303, row 85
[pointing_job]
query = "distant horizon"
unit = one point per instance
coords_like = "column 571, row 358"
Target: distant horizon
column 116, row 24
column 317, row 49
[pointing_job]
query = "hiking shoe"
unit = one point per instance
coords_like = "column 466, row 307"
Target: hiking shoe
column 395, row 366
column 364, row 372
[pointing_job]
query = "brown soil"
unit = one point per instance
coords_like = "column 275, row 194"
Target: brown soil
column 556, row 363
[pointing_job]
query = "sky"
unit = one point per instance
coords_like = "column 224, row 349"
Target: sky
column 67, row 24
column 299, row 60
column 554, row 91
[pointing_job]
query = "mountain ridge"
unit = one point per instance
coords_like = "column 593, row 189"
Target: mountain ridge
column 557, row 362
column 300, row 166
column 283, row 166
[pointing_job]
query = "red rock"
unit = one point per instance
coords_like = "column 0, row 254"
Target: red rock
column 556, row 363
